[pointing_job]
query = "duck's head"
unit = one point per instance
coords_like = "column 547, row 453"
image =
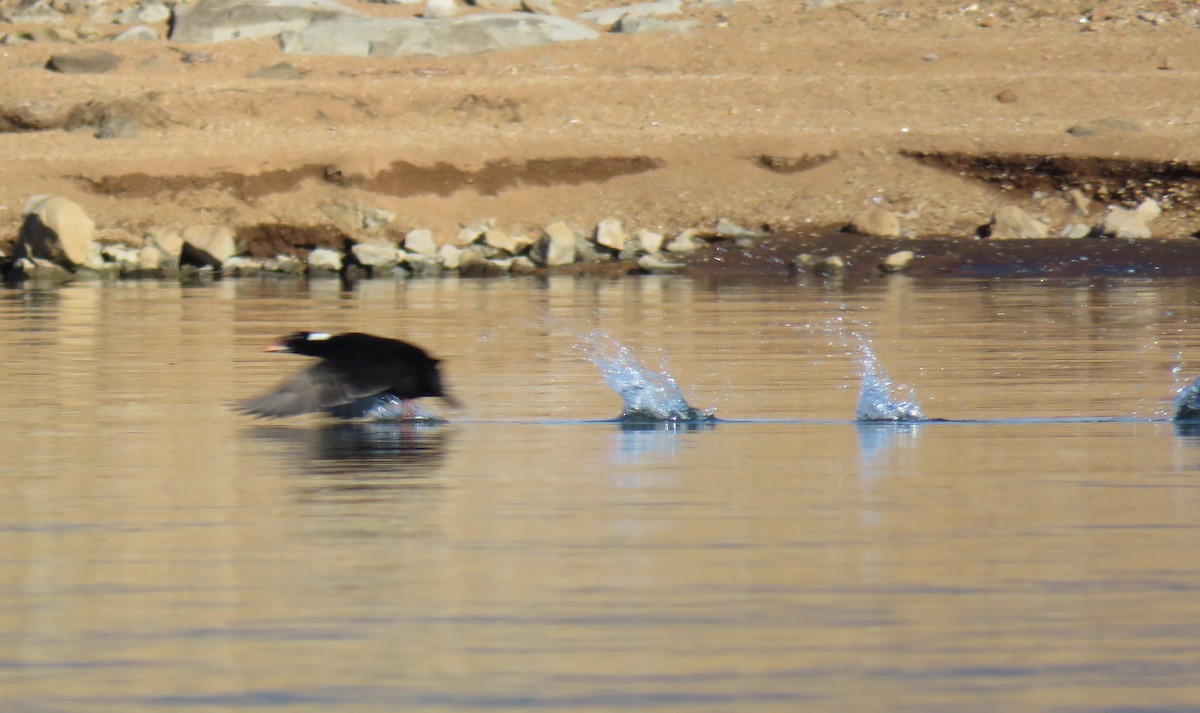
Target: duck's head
column 298, row 342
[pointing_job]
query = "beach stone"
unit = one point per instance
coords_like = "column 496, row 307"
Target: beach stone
column 1075, row 231
column 377, row 253
column 897, row 261
column 439, row 9
column 168, row 242
column 1081, row 203
column 610, row 16
column 540, row 7
column 649, row 240
column 1102, row 127
column 473, row 232
column 1010, row 222
column 685, row 242
column 421, row 242
column 324, row 259
column 127, row 259
column 876, row 222
column 347, row 35
column 586, row 250
column 241, row 266
column 118, row 127
column 830, row 266
column 284, row 264
column 282, row 71
column 556, row 245
column 140, row 33
column 32, row 13
column 56, row 229
column 473, row 264
column 451, row 256
column 1007, row 96
column 87, row 61
column 510, row 244
column 631, row 25
column 207, row 245
column 728, row 229
column 1130, row 224
column 658, row 265
column 610, row 234
column 522, row 265
column 212, row 21
column 497, row 5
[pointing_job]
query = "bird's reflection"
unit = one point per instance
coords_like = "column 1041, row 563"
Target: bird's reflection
column 371, row 456
column 1189, row 428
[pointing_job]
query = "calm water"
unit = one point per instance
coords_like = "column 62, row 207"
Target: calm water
column 159, row 552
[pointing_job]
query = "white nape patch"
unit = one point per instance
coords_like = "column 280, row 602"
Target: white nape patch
column 318, row 336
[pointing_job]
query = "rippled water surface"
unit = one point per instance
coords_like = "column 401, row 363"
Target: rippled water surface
column 1040, row 551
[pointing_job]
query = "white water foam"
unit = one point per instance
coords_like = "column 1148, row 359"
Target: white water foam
column 646, row 395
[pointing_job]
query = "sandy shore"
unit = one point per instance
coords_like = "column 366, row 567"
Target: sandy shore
column 768, row 114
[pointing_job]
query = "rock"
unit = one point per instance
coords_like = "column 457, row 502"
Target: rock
column 1007, row 96
column 1130, row 224
column 631, row 25
column 42, row 270
column 356, row 217
column 830, row 266
column 610, row 234
column 1081, row 203
column 1102, row 127
column 875, row 222
column 377, row 254
column 649, row 240
column 168, row 242
column 284, row 264
column 897, row 261
column 510, row 244
column 212, row 21
column 241, row 266
column 522, row 265
column 1074, row 231
column 282, row 71
column 610, row 16
column 556, row 246
column 324, row 260
column 451, row 256
column 473, row 264
column 118, row 127
column 126, row 259
column 728, row 229
column 685, row 242
column 208, row 245
column 540, row 7
column 140, row 33
column 406, row 37
column 421, row 242
column 439, row 9
column 32, row 13
column 658, row 265
column 497, row 5
column 1010, row 222
column 56, row 229
column 586, row 250
column 473, row 232
column 88, row 61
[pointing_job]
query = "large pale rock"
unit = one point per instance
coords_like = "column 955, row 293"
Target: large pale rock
column 56, row 229
column 876, row 222
column 207, row 245
column 324, row 260
column 556, row 246
column 407, row 37
column 211, row 21
column 1130, row 224
column 421, row 242
column 440, row 9
column 1010, row 222
column 86, row 61
column 685, row 242
column 377, row 254
column 610, row 16
column 611, row 234
column 501, row 240
column 649, row 240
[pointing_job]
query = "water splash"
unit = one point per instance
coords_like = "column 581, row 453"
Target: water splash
column 647, row 396
column 385, row 407
column 1186, row 406
column 875, row 399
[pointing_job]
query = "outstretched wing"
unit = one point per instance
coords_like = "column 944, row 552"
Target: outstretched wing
column 317, row 389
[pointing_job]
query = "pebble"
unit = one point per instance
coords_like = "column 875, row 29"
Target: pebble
column 877, row 222
column 897, row 261
column 86, row 61
column 1010, row 222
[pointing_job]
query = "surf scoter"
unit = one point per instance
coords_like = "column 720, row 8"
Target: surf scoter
column 357, row 373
